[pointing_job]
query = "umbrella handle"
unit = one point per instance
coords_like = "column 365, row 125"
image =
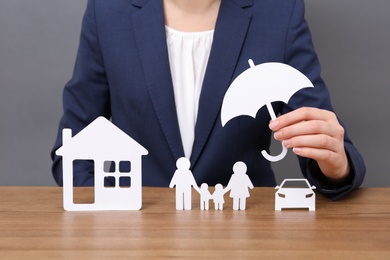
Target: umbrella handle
column 284, row 151
column 275, row 158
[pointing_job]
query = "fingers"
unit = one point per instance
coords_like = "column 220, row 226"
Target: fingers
column 312, row 127
column 300, row 115
column 318, row 141
column 320, row 155
column 307, row 121
column 314, row 133
column 334, row 165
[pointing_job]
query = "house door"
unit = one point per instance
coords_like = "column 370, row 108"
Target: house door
column 88, row 194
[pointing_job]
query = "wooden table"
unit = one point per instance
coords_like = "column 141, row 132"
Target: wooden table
column 33, row 224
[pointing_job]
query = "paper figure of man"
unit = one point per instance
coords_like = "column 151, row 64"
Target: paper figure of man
column 238, row 186
column 184, row 181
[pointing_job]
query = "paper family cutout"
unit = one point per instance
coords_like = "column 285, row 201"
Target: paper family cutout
column 183, row 180
column 117, row 158
column 259, row 86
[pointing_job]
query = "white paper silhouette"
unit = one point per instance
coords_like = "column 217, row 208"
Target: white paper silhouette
column 205, row 197
column 218, row 198
column 261, row 85
column 104, row 144
column 238, row 186
column 295, row 193
column 184, row 181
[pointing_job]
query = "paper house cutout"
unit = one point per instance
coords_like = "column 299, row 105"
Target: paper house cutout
column 115, row 155
column 294, row 194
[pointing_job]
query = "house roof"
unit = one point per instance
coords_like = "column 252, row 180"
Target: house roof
column 101, row 138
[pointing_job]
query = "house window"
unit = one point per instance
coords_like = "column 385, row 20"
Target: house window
column 124, row 182
column 124, row 166
column 109, row 182
column 109, row 166
column 117, row 174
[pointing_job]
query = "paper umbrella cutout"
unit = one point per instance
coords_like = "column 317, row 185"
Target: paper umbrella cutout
column 259, row 86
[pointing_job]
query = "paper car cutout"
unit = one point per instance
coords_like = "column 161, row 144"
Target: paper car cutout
column 294, row 194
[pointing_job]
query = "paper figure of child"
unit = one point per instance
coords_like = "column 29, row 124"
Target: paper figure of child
column 218, row 197
column 183, row 180
column 238, row 186
column 205, row 196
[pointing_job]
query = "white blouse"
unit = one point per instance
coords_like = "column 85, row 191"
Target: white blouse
column 188, row 56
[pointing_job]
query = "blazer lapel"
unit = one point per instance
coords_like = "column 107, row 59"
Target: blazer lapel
column 230, row 32
column 148, row 25
column 229, row 36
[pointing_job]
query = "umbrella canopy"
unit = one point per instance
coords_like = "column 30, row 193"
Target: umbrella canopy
column 259, row 86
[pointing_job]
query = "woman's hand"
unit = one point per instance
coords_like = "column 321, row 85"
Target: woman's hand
column 314, row 133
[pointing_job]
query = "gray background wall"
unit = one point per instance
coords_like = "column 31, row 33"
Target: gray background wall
column 38, row 43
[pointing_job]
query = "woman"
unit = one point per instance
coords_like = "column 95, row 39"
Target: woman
column 238, row 185
column 160, row 69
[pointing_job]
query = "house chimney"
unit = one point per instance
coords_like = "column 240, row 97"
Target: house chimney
column 66, row 135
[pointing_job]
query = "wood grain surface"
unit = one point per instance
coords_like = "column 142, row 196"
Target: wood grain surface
column 33, row 225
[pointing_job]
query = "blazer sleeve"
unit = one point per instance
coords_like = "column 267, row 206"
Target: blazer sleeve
column 300, row 53
column 85, row 97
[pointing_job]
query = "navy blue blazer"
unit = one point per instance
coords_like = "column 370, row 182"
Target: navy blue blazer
column 122, row 72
